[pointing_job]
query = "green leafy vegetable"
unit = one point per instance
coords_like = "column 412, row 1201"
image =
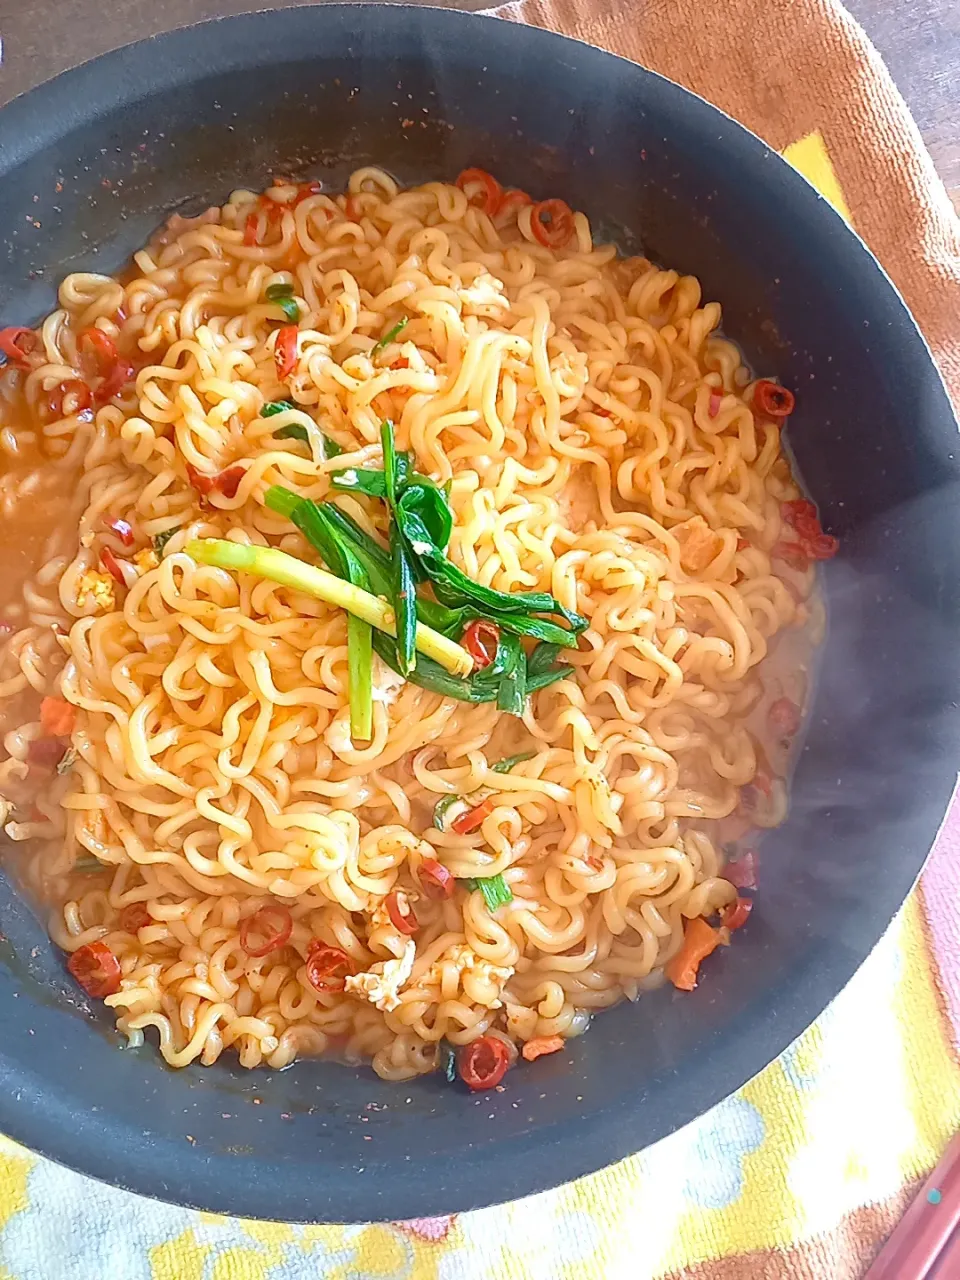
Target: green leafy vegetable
column 160, row 540
column 282, row 294
column 505, row 766
column 275, row 407
column 447, row 1060
column 447, row 810
column 405, row 600
column 496, row 892
column 390, row 336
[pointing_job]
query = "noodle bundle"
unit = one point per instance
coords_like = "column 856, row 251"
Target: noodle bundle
column 181, row 782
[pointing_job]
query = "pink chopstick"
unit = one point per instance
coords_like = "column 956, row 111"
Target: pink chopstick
column 926, row 1239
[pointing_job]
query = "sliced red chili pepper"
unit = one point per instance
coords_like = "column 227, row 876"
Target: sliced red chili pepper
column 483, row 1063
column 401, row 912
column 481, row 640
column 104, row 347
column 122, row 529
column 308, row 189
column 226, row 482
column 551, row 222
column 792, row 554
column 285, row 351
column 734, row 914
column 473, row 818
column 114, row 382
column 57, row 717
column 97, row 970
column 435, row 880
column 513, row 201
column 742, row 872
column 487, row 193
column 70, row 389
column 135, row 917
column 797, row 508
column 268, row 929
column 352, row 210
column 773, row 400
column 785, row 717
column 716, row 398
column 742, row 544
column 46, row 752
column 823, row 547
column 326, row 967
column 250, row 228
column 112, row 565
column 18, row 344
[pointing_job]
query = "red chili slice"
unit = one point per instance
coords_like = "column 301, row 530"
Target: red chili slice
column 135, row 917
column 742, row 872
column 114, row 382
column 308, row 189
column 70, row 389
column 742, row 544
column 97, row 970
column 226, row 482
column 513, row 201
column 326, row 967
column 401, row 912
column 435, row 880
column 268, row 929
column 716, row 397
column 285, row 351
column 112, row 565
column 481, row 640
column 483, row 1063
column 250, row 229
column 798, row 509
column 773, row 400
column 46, row 752
column 792, row 554
column 104, row 347
column 473, row 818
column 18, row 344
column 487, row 194
column 122, row 529
column 551, row 222
column 734, row 914
column 785, row 717
column 823, row 547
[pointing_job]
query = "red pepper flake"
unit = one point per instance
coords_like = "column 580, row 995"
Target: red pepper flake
column 122, row 529
column 18, row 345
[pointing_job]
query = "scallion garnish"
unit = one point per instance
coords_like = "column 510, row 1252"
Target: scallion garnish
column 447, row 1060
column 447, row 810
column 276, row 406
column 282, row 294
column 160, row 540
column 506, row 765
column 390, row 336
column 68, row 761
column 496, row 892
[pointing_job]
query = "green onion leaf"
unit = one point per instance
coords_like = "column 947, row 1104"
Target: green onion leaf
column 505, row 766
column 447, row 1060
column 405, row 600
column 388, row 444
column 87, row 864
column 160, row 540
column 390, row 336
column 360, row 671
column 542, row 659
column 277, row 406
column 447, row 810
column 68, row 761
column 293, row 432
column 496, row 892
column 282, row 294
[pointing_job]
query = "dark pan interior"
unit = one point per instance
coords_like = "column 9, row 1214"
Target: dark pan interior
column 91, row 162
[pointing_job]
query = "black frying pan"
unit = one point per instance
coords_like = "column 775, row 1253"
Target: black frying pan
column 91, row 162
